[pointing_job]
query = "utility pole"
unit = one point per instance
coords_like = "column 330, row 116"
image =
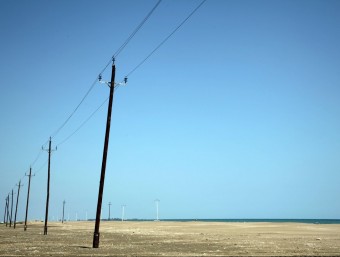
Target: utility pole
column 7, row 215
column 49, row 150
column 109, row 210
column 28, row 196
column 6, row 210
column 16, row 207
column 62, row 221
column 106, row 145
column 10, row 217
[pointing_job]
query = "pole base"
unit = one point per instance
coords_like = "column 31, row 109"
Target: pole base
column 96, row 240
column 25, row 227
column 45, row 230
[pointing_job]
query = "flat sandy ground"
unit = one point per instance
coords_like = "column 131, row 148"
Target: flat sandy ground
column 172, row 239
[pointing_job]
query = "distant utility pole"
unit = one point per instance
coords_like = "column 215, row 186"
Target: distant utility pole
column 110, row 210
column 106, row 145
column 28, row 196
column 49, row 150
column 7, row 215
column 62, row 221
column 157, row 203
column 11, row 216
column 6, row 210
column 16, row 207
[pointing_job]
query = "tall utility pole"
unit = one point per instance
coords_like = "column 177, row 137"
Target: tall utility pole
column 110, row 210
column 28, row 196
column 49, row 150
column 106, row 145
column 62, row 221
column 16, row 207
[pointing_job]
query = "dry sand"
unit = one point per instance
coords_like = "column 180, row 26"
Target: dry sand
column 172, row 239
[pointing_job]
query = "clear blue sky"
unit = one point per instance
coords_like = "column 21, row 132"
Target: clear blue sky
column 236, row 116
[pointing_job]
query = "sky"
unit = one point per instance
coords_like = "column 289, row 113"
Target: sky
column 235, row 116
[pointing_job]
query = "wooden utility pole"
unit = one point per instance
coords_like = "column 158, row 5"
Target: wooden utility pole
column 10, row 217
column 16, row 207
column 62, row 221
column 7, row 215
column 48, row 185
column 6, row 210
column 106, row 145
column 28, row 197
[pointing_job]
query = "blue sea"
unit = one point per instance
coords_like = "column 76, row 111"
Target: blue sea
column 312, row 221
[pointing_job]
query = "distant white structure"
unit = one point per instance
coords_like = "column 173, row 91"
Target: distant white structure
column 157, row 206
column 123, row 211
column 86, row 215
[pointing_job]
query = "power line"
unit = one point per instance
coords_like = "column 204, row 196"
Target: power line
column 82, row 124
column 120, row 49
column 166, row 39
column 82, row 100
column 36, row 158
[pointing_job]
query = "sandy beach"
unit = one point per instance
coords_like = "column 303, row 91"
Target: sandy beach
column 172, row 239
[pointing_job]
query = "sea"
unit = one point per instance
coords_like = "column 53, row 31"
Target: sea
column 310, row 221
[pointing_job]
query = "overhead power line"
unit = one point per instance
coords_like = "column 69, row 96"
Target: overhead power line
column 69, row 117
column 166, row 39
column 121, row 48
column 83, row 123
column 118, row 51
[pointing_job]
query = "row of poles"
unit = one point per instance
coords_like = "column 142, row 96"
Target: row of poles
column 96, row 235
column 9, row 210
column 8, row 215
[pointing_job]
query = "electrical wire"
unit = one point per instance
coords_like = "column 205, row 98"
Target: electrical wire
column 41, row 167
column 83, row 123
column 69, row 117
column 121, row 48
column 166, row 39
column 36, row 159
